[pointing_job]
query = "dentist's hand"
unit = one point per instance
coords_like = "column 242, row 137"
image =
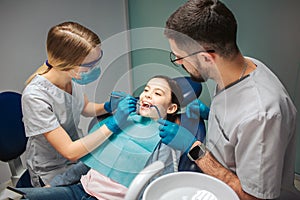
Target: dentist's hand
column 119, row 119
column 197, row 108
column 114, row 101
column 175, row 136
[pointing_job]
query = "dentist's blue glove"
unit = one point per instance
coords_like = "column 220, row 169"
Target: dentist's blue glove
column 197, row 108
column 175, row 136
column 114, row 100
column 119, row 119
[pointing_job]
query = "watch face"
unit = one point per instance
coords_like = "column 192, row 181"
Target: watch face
column 196, row 152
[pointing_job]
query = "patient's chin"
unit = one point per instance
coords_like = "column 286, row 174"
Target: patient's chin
column 146, row 113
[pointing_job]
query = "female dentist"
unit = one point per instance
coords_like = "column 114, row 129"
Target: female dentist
column 53, row 101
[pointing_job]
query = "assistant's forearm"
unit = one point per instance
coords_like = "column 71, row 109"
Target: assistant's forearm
column 90, row 142
column 73, row 150
column 92, row 109
column 95, row 139
column 209, row 165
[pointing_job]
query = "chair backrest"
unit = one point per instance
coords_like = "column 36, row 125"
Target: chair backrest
column 191, row 90
column 12, row 133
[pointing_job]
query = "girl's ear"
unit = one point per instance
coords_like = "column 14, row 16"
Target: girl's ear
column 172, row 108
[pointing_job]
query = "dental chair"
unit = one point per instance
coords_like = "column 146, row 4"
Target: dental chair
column 191, row 90
column 12, row 137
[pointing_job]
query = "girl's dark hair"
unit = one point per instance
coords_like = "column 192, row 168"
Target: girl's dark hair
column 176, row 95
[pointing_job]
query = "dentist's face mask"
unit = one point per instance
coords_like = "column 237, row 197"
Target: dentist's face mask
column 89, row 72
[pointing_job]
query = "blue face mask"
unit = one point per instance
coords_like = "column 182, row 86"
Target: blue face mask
column 92, row 74
column 88, row 77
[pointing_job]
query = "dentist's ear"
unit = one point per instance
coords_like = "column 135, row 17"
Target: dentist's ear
column 208, row 57
column 73, row 73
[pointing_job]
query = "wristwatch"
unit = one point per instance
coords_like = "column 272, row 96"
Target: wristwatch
column 197, row 152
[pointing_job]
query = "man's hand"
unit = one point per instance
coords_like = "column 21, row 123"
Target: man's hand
column 175, row 136
column 197, row 109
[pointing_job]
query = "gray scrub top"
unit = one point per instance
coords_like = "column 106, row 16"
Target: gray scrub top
column 46, row 107
column 251, row 131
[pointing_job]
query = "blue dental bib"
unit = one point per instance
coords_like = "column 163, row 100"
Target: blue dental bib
column 125, row 154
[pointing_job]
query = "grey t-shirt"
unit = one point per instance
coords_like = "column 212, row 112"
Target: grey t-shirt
column 46, row 107
column 251, row 131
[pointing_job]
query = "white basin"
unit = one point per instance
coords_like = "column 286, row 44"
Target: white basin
column 188, row 186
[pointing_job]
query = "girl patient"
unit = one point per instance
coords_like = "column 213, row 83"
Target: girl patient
column 115, row 163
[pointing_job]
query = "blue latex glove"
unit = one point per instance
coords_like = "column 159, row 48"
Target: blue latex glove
column 114, row 100
column 175, row 136
column 197, row 108
column 119, row 119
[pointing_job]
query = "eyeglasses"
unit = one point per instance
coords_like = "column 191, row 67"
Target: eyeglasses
column 93, row 63
column 174, row 58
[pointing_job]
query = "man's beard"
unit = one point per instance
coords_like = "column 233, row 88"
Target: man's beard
column 198, row 78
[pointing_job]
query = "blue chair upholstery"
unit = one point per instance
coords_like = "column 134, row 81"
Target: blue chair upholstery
column 12, row 133
column 191, row 90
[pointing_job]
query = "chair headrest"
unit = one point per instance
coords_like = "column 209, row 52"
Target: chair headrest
column 190, row 89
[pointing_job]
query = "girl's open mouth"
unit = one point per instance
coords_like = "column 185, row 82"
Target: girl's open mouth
column 145, row 105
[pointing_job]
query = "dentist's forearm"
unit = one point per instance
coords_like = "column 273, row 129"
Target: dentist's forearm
column 209, row 165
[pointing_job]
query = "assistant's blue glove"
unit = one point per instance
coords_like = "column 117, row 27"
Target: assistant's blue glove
column 197, row 108
column 119, row 119
column 175, row 136
column 114, row 100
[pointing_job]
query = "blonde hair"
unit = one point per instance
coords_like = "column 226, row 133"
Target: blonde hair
column 68, row 44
